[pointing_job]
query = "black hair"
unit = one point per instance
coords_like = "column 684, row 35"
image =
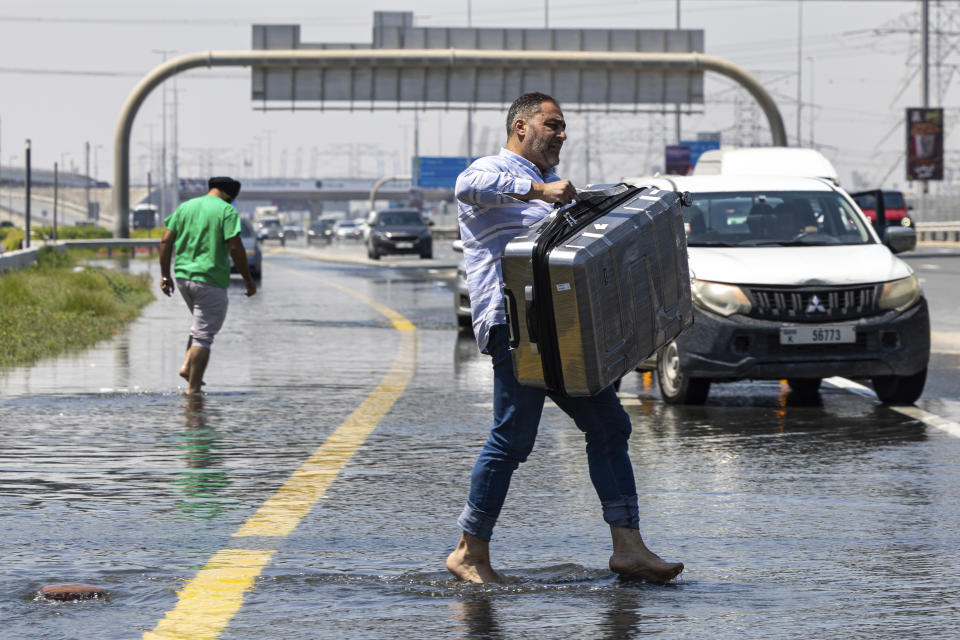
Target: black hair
column 526, row 106
column 227, row 185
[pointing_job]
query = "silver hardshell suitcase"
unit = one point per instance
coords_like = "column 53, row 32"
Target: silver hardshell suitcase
column 596, row 288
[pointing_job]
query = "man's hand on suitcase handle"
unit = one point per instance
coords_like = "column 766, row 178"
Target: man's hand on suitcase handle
column 560, row 192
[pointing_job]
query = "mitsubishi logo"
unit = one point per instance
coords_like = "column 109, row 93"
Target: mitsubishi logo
column 815, row 305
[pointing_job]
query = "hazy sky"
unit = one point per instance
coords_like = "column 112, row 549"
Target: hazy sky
column 66, row 68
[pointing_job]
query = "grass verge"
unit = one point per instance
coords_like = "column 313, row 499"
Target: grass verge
column 51, row 307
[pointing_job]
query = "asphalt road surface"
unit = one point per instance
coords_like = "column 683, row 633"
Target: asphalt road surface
column 312, row 492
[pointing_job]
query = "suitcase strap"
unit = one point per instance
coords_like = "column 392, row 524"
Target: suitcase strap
column 541, row 324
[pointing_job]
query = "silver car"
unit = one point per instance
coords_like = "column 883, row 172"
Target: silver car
column 252, row 246
column 461, row 294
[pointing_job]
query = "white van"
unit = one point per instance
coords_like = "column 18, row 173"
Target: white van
column 766, row 161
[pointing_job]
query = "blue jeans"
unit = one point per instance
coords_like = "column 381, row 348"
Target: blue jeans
column 516, row 416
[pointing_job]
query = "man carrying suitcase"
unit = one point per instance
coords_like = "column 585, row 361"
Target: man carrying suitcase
column 499, row 196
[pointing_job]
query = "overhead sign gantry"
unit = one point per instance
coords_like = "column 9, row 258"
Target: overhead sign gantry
column 349, row 76
column 489, row 81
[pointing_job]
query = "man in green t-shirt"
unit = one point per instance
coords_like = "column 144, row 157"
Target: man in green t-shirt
column 205, row 232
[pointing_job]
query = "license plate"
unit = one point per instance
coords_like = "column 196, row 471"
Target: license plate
column 404, row 245
column 836, row 334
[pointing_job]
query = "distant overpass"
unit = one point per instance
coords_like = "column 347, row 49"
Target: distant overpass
column 315, row 189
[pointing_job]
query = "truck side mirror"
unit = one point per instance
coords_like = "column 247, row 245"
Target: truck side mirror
column 900, row 239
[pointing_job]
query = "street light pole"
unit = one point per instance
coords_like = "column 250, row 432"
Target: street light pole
column 86, row 181
column 269, row 135
column 678, row 104
column 925, row 35
column 163, row 142
column 813, row 138
column 799, row 68
column 56, row 186
column 26, row 241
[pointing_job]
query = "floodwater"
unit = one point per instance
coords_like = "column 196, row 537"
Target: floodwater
column 837, row 518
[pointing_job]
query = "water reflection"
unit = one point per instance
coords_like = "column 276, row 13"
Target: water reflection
column 121, row 361
column 470, row 367
column 201, row 451
column 478, row 617
column 622, row 617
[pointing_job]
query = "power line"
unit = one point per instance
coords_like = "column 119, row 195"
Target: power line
column 110, row 74
column 183, row 22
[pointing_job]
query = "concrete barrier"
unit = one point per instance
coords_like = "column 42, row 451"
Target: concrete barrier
column 18, row 259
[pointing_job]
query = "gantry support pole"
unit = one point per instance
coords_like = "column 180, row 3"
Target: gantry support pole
column 448, row 58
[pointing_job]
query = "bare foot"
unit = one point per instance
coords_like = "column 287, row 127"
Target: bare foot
column 185, row 374
column 470, row 561
column 632, row 559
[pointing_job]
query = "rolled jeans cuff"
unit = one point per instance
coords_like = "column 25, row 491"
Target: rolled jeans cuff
column 477, row 523
column 622, row 512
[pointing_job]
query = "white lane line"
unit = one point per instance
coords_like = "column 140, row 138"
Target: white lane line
column 929, row 419
column 933, row 420
column 625, row 400
column 945, row 342
column 851, row 386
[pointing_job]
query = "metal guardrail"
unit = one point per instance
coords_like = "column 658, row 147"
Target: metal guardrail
column 938, row 231
column 110, row 244
column 446, row 233
column 26, row 257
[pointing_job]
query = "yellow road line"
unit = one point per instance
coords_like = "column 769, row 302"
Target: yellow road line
column 280, row 514
column 208, row 602
column 211, row 599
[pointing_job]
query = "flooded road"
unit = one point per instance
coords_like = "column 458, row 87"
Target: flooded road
column 837, row 518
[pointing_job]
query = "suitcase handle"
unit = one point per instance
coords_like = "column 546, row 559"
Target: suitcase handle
column 513, row 322
column 530, row 313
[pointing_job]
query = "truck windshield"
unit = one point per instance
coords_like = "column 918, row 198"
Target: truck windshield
column 742, row 219
column 893, row 200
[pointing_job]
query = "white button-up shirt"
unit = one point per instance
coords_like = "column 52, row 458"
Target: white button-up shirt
column 489, row 218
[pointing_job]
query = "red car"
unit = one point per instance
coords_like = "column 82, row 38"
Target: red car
column 893, row 204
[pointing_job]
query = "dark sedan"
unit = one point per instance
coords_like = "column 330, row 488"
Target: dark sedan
column 395, row 231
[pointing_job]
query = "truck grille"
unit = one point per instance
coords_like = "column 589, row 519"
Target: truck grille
column 813, row 304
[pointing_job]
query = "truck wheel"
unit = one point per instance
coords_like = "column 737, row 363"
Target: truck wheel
column 675, row 386
column 804, row 386
column 900, row 389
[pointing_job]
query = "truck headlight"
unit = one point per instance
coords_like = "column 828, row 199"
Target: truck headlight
column 899, row 294
column 722, row 299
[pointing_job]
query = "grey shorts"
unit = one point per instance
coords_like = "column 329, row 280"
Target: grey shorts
column 208, row 304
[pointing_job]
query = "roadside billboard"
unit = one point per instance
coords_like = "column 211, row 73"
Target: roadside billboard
column 698, row 146
column 437, row 172
column 681, row 158
column 924, row 144
column 678, row 160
